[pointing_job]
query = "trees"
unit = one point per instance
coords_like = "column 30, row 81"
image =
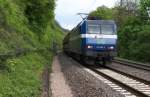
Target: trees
column 143, row 10
column 103, row 12
column 39, row 13
column 134, row 41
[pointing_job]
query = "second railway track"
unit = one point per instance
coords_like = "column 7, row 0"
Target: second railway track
column 127, row 85
column 133, row 64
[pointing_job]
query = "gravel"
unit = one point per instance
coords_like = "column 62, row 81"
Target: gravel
column 132, row 71
column 82, row 83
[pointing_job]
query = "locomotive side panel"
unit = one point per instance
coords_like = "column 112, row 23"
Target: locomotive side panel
column 75, row 41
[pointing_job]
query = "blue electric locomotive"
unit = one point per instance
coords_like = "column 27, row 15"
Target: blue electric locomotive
column 92, row 39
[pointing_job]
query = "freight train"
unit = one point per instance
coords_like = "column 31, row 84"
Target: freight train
column 92, row 39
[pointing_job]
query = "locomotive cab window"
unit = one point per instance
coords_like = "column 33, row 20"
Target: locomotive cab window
column 95, row 29
column 107, row 29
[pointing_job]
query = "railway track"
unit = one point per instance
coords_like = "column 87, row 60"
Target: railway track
column 133, row 64
column 128, row 86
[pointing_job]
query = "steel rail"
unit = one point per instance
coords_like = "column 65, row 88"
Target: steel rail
column 121, row 84
column 129, row 75
column 132, row 64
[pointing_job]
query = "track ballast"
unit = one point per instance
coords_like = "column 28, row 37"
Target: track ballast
column 128, row 86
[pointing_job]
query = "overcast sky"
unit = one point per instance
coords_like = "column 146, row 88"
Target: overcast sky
column 66, row 10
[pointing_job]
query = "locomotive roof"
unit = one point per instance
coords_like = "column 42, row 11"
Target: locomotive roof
column 101, row 21
column 95, row 22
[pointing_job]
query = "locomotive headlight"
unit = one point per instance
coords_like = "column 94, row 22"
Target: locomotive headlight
column 111, row 48
column 89, row 46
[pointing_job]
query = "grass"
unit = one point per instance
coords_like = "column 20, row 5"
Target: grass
column 22, row 79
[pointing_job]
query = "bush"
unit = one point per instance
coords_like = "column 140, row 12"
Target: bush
column 23, row 78
column 134, row 40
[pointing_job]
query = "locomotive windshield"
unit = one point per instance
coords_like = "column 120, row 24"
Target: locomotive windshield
column 94, row 29
column 106, row 29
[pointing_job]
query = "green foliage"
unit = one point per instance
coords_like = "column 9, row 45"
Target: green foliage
column 134, row 40
column 134, row 36
column 103, row 12
column 23, row 78
column 128, row 34
column 10, row 14
column 39, row 13
column 143, row 10
column 142, row 45
column 26, row 24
